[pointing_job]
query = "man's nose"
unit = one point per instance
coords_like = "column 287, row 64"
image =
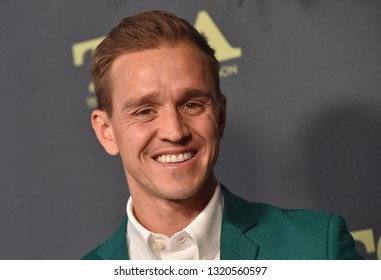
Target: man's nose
column 173, row 127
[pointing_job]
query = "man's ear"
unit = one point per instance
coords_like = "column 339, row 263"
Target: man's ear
column 102, row 126
column 222, row 115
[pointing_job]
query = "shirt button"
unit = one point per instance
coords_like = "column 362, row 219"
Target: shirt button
column 182, row 240
column 159, row 244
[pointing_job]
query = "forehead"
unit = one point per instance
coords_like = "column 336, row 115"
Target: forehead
column 181, row 64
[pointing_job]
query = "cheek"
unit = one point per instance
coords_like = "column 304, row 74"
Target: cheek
column 207, row 128
column 136, row 138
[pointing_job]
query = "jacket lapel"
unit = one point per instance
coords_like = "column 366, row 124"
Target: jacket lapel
column 238, row 219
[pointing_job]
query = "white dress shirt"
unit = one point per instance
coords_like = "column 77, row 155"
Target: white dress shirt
column 199, row 240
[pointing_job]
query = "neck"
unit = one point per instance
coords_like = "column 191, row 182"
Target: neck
column 167, row 216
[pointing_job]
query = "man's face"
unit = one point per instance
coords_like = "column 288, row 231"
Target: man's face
column 167, row 121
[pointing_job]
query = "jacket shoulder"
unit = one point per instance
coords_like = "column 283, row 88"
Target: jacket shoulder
column 290, row 233
column 92, row 255
column 308, row 234
column 114, row 248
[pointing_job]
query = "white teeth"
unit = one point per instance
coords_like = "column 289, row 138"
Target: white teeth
column 180, row 158
column 175, row 158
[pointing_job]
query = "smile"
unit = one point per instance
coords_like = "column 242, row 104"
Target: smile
column 175, row 157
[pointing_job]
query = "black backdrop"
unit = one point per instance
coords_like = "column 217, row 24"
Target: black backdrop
column 302, row 80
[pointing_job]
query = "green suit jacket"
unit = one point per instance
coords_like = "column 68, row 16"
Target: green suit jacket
column 258, row 231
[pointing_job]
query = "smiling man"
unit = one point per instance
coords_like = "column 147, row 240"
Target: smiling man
column 161, row 110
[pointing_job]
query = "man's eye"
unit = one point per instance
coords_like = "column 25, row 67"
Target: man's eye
column 144, row 114
column 194, row 107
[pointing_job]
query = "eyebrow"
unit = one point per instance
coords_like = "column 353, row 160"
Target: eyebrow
column 150, row 98
column 196, row 93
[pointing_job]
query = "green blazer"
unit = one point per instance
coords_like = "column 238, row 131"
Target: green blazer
column 253, row 231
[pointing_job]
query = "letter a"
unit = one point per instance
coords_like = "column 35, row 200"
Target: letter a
column 205, row 25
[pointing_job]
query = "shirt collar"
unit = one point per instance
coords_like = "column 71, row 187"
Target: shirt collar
column 204, row 230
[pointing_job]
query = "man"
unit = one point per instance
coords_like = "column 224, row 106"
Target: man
column 162, row 111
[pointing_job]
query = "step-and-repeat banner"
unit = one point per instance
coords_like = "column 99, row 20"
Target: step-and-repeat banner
column 302, row 79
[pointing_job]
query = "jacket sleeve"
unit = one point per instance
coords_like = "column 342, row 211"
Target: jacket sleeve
column 341, row 245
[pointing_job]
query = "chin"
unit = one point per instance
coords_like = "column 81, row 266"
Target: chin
column 178, row 192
